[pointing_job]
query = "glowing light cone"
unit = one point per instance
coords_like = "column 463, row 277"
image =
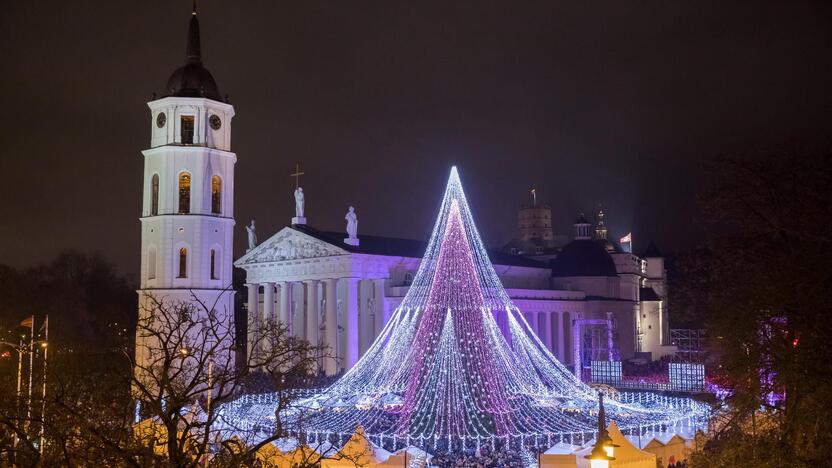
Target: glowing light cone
column 443, row 371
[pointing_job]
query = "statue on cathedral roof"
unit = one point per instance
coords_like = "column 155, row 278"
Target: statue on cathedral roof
column 299, row 202
column 352, row 223
column 252, row 235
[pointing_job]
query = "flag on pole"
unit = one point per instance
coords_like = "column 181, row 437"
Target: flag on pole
column 28, row 322
column 627, row 242
column 44, row 325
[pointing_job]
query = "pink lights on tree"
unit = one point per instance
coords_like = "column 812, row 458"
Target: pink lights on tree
column 452, row 340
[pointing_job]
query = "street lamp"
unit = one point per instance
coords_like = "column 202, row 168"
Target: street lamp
column 604, row 438
column 598, row 458
column 603, row 450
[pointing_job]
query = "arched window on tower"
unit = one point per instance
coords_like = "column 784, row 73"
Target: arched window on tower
column 216, row 194
column 184, row 193
column 183, row 263
column 213, row 264
column 151, row 262
column 154, row 195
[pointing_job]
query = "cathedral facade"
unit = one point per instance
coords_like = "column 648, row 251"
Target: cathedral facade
column 579, row 297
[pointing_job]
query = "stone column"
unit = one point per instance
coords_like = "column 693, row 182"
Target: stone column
column 350, row 313
column 547, row 329
column 268, row 302
column 557, row 340
column 528, row 317
column 533, row 321
column 331, row 323
column 366, row 303
column 267, row 314
column 380, row 310
column 563, row 318
column 312, row 312
column 296, row 311
column 253, row 316
column 285, row 298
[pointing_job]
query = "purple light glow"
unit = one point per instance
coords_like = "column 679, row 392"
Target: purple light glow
column 477, row 390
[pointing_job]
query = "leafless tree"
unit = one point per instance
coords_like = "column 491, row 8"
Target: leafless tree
column 185, row 368
column 761, row 286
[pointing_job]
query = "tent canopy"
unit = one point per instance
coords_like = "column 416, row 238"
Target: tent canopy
column 358, row 451
column 627, row 455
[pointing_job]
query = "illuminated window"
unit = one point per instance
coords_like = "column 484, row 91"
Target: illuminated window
column 213, row 264
column 154, row 195
column 187, row 129
column 216, row 194
column 151, row 262
column 183, row 263
column 184, row 192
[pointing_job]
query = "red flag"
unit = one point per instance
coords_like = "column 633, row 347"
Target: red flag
column 28, row 322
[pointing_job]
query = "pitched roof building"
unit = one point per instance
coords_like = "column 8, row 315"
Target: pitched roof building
column 333, row 292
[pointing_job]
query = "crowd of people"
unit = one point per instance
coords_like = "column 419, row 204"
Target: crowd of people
column 646, row 379
column 485, row 457
column 652, row 369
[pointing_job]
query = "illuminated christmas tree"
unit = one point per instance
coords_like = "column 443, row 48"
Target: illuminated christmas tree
column 457, row 364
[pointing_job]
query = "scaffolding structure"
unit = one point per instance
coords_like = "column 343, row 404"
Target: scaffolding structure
column 690, row 344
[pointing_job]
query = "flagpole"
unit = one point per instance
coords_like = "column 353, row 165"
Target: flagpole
column 31, row 371
column 19, row 382
column 45, row 345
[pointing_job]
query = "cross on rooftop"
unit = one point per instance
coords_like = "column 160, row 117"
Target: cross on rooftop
column 297, row 175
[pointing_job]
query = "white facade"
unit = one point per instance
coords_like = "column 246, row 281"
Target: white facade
column 654, row 322
column 187, row 217
column 342, row 296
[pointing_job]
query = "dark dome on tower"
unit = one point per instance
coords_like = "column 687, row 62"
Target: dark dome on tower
column 584, row 257
column 193, row 79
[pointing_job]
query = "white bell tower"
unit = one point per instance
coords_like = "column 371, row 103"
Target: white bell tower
column 187, row 216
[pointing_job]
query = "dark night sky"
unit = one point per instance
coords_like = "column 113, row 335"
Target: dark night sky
column 611, row 102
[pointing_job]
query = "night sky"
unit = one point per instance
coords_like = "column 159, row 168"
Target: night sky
column 614, row 102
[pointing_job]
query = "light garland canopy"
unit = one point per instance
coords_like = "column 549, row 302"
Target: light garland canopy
column 457, row 364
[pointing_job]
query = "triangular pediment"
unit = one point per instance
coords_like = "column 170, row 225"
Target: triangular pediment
column 289, row 244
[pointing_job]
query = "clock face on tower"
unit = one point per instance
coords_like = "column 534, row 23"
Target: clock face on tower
column 215, row 122
column 161, row 119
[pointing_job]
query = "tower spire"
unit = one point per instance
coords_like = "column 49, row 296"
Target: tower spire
column 193, row 51
column 601, row 227
column 193, row 79
column 581, row 227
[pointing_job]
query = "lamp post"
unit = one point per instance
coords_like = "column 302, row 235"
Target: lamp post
column 603, row 450
column 44, row 344
column 598, row 458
